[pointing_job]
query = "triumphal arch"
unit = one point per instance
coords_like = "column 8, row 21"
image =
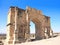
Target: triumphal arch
column 18, row 25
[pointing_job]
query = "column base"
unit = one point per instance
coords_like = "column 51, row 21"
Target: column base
column 19, row 41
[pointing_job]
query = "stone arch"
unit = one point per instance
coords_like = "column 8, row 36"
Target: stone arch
column 38, row 27
column 19, row 19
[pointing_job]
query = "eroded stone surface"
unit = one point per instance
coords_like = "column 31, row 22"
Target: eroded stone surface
column 18, row 24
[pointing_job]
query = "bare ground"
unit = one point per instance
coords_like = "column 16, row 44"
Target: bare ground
column 51, row 41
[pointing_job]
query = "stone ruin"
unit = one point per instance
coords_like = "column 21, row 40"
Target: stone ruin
column 18, row 25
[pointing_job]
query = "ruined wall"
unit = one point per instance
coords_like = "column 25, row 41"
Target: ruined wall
column 18, row 26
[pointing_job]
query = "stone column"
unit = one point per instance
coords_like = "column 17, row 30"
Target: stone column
column 15, row 31
column 46, row 32
column 27, row 26
column 39, row 31
column 10, row 25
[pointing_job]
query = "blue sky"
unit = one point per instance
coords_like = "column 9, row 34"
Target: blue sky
column 48, row 7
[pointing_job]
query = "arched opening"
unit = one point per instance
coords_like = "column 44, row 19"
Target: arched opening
column 32, row 30
column 35, row 29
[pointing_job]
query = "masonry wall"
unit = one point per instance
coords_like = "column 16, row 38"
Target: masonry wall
column 22, row 24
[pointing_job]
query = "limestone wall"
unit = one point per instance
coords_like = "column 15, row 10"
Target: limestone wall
column 18, row 25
